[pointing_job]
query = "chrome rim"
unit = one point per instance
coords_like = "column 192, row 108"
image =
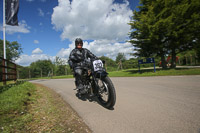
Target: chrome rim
column 103, row 91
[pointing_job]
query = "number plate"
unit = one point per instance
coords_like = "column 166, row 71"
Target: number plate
column 98, row 65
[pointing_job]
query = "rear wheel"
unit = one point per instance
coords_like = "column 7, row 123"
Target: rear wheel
column 107, row 95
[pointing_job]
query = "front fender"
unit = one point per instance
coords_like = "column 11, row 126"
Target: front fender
column 101, row 74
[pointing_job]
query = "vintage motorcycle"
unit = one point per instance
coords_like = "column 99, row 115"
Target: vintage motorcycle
column 97, row 83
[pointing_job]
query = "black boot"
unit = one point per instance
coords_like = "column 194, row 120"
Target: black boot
column 81, row 89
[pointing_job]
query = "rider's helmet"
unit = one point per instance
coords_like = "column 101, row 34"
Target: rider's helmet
column 78, row 41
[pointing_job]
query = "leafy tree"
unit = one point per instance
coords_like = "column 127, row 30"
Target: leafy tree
column 108, row 61
column 131, row 63
column 58, row 61
column 13, row 50
column 121, row 57
column 59, row 66
column 165, row 27
column 61, row 70
column 23, row 72
column 110, row 64
column 197, row 49
column 41, row 68
column 146, row 38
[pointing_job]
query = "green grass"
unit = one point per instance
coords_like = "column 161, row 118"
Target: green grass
column 55, row 77
column 8, row 82
column 28, row 107
column 13, row 107
column 66, row 76
column 159, row 72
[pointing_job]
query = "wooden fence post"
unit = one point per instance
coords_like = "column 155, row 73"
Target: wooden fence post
column 15, row 72
column 9, row 72
column 4, row 72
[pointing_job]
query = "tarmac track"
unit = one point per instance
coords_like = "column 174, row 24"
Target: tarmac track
column 144, row 104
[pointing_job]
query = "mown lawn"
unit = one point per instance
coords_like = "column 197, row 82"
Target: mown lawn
column 159, row 72
column 146, row 72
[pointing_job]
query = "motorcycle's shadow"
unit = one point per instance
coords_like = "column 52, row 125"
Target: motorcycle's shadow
column 91, row 99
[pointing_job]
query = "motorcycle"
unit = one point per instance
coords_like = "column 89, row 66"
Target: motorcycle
column 97, row 83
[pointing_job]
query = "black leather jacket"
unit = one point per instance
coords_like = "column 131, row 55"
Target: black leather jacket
column 78, row 56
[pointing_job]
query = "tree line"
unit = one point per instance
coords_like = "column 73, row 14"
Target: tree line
column 59, row 67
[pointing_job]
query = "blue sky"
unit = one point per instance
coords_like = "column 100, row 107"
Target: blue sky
column 47, row 28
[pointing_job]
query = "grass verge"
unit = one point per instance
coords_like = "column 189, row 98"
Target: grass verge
column 35, row 108
column 159, row 72
column 51, row 114
column 14, row 107
column 143, row 72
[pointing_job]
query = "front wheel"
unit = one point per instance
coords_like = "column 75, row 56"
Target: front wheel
column 106, row 93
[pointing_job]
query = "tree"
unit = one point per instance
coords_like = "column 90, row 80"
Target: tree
column 61, row 70
column 165, row 27
column 58, row 61
column 197, row 49
column 110, row 64
column 41, row 68
column 108, row 61
column 120, row 57
column 23, row 72
column 60, row 67
column 13, row 50
column 183, row 20
column 146, row 38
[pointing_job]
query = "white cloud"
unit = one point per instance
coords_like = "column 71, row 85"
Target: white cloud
column 37, row 51
column 37, row 54
column 26, row 60
column 92, row 19
column 100, row 48
column 36, row 41
column 22, row 28
column 41, row 13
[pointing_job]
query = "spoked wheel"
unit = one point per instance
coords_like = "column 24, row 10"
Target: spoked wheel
column 107, row 96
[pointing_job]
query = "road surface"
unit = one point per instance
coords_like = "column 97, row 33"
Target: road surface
column 166, row 104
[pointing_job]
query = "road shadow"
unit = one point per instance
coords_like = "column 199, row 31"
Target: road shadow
column 87, row 98
column 94, row 99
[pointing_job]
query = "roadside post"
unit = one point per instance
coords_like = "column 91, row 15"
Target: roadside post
column 148, row 60
column 139, row 62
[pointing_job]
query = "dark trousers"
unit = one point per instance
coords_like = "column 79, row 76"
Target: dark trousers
column 78, row 76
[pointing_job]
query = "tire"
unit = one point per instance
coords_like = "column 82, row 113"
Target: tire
column 107, row 88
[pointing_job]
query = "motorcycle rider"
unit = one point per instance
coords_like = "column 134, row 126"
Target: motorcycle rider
column 76, row 60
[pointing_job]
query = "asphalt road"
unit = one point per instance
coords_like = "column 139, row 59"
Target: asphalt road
column 168, row 104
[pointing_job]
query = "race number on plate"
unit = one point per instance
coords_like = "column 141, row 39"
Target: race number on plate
column 98, row 65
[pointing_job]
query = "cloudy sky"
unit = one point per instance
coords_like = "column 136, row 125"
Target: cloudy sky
column 48, row 28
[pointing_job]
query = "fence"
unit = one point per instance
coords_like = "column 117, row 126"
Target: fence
column 8, row 70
